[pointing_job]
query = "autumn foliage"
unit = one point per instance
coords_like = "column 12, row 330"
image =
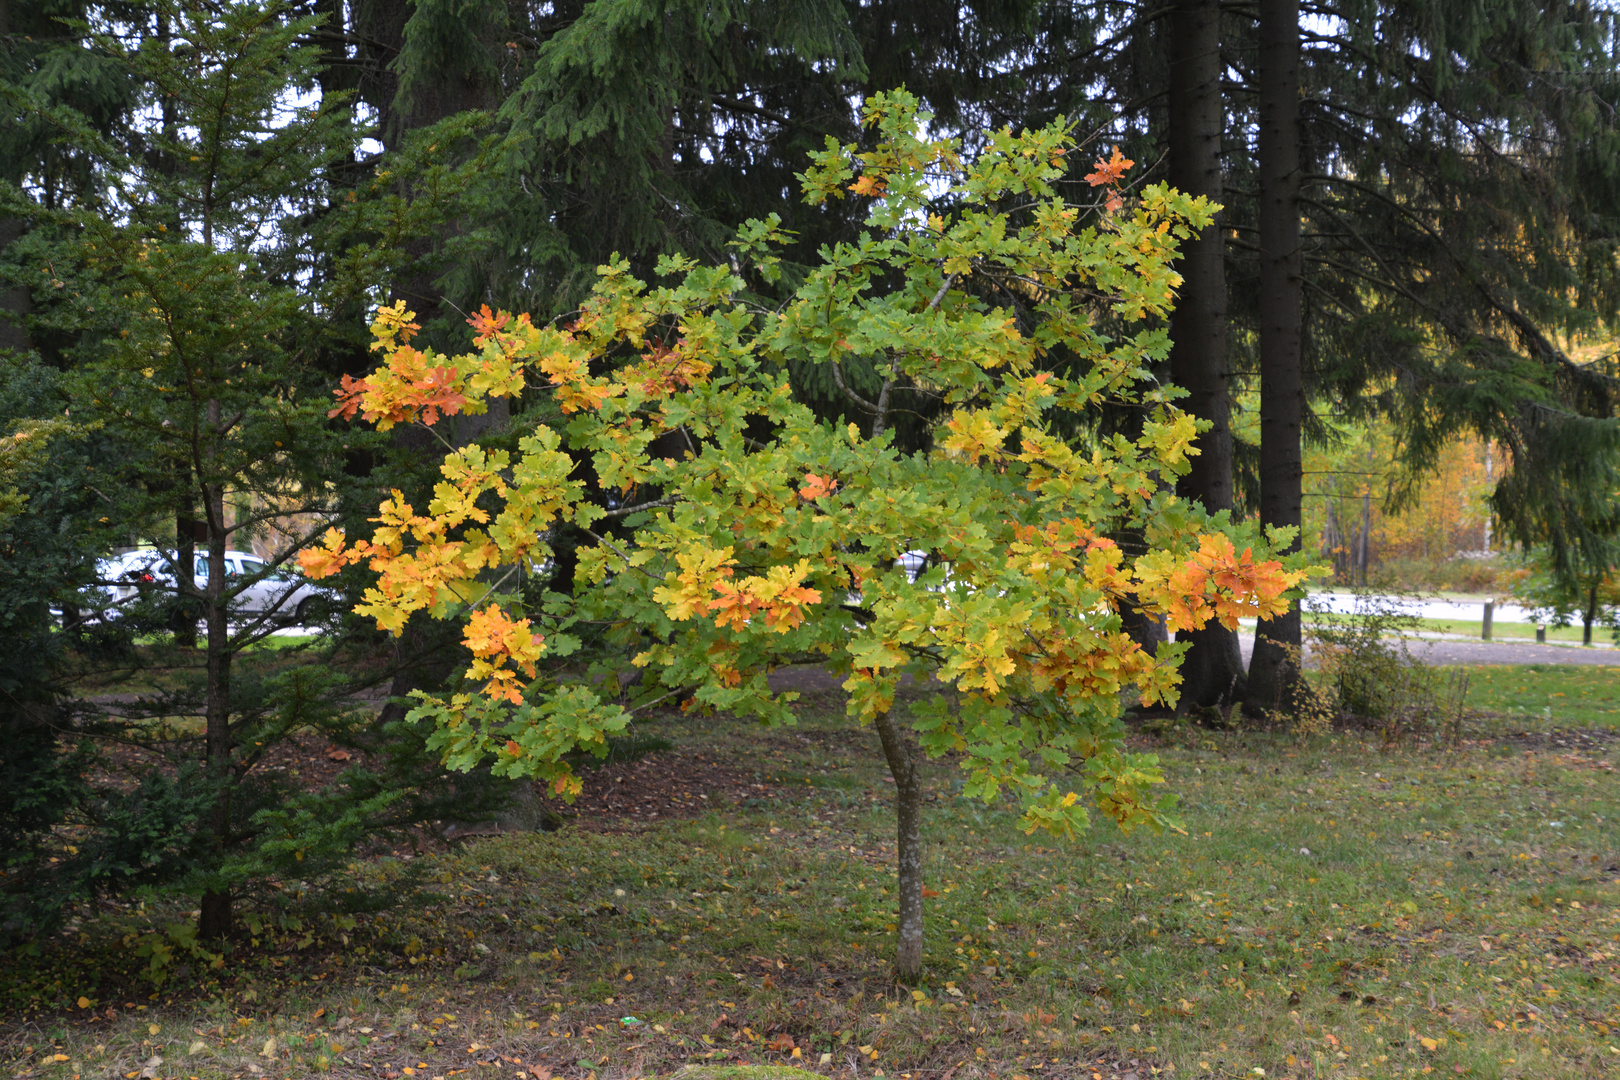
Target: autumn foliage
column 772, row 536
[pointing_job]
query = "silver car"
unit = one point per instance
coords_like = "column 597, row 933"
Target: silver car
column 122, row 577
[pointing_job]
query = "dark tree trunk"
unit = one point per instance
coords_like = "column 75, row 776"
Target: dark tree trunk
column 415, row 100
column 1148, row 631
column 1212, row 672
column 1282, row 394
column 1589, row 616
column 908, row 953
column 184, row 619
column 216, row 916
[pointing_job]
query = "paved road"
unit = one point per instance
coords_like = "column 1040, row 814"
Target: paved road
column 1510, row 652
column 1455, row 649
column 1464, row 651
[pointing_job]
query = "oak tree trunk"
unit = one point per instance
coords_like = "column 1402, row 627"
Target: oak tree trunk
column 1272, row 675
column 902, row 761
column 1212, row 672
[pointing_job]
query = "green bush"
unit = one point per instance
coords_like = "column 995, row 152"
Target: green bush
column 1373, row 676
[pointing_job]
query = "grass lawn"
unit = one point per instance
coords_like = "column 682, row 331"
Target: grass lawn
column 1332, row 909
column 1538, row 697
column 1500, row 631
column 1503, row 631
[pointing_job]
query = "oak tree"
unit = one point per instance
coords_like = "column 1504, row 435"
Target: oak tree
column 771, row 536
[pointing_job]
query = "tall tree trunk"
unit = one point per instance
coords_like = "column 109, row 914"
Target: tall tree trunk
column 908, row 952
column 1589, row 616
column 1212, row 671
column 1282, row 391
column 1147, row 631
column 1364, row 556
column 183, row 620
column 215, row 919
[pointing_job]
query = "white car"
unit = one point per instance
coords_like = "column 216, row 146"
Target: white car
column 282, row 591
column 912, row 564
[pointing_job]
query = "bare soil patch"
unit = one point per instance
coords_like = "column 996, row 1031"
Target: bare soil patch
column 661, row 786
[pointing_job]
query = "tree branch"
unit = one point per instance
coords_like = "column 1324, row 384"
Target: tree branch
column 838, row 381
column 626, row 511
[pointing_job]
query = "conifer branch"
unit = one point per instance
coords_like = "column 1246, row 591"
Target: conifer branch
column 748, row 107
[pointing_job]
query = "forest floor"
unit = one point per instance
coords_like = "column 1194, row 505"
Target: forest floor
column 1336, row 906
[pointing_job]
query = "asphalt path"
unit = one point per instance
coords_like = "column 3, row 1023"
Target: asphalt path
column 1508, row 652
column 1451, row 650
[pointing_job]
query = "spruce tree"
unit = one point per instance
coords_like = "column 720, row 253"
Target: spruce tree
column 1433, row 271
column 1275, row 661
column 1453, row 195
column 179, row 292
column 1212, row 672
column 1486, row 230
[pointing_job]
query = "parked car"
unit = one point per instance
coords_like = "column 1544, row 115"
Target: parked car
column 281, row 590
column 912, row 564
column 120, row 577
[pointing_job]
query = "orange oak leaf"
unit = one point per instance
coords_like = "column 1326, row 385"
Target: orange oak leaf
column 438, row 391
column 350, row 393
column 1218, row 583
column 485, row 324
column 816, row 487
column 733, row 606
column 869, row 185
column 1110, row 171
column 787, row 611
column 665, row 370
column 494, row 638
column 326, row 560
column 778, row 596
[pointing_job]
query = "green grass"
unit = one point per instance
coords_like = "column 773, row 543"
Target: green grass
column 1333, row 909
column 1506, row 631
column 1500, row 631
column 1540, row 696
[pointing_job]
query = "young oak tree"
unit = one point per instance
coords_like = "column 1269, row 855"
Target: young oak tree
column 772, row 537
